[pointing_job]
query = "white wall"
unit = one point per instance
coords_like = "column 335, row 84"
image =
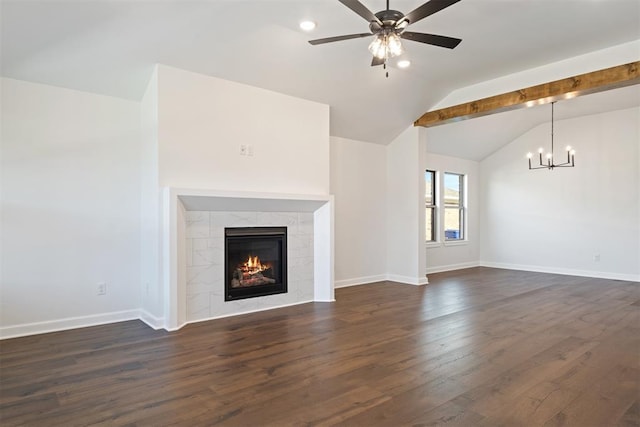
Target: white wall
column 442, row 256
column 358, row 183
column 405, row 208
column 70, row 208
column 557, row 221
column 203, row 121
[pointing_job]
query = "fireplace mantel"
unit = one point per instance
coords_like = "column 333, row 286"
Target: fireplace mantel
column 202, row 200
column 177, row 201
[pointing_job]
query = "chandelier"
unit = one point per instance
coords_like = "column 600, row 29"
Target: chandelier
column 549, row 162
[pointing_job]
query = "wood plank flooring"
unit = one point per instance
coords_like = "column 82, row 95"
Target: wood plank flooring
column 476, row 347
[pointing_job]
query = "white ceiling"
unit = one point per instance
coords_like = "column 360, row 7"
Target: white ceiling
column 109, row 47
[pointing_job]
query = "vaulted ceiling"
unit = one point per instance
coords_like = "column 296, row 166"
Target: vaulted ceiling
column 109, row 47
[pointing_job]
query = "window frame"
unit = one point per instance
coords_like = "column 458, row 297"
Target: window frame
column 461, row 207
column 434, row 206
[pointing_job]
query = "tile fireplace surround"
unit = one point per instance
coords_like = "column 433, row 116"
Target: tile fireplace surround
column 205, row 261
column 193, row 235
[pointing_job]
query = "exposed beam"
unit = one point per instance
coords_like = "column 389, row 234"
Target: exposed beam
column 583, row 84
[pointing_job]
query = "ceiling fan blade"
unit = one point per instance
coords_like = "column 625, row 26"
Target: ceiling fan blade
column 361, row 10
column 339, row 38
column 377, row 61
column 429, row 8
column 434, row 39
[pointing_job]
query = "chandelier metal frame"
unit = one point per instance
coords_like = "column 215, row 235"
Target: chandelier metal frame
column 550, row 165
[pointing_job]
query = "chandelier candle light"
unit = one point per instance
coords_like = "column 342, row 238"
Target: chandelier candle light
column 550, row 165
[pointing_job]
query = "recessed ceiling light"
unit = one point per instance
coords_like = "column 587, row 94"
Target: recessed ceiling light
column 307, row 25
column 404, row 63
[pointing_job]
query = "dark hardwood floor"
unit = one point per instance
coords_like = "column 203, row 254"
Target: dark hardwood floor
column 476, row 347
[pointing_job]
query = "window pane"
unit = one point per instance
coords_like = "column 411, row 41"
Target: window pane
column 452, row 189
column 452, row 224
column 429, row 187
column 430, row 237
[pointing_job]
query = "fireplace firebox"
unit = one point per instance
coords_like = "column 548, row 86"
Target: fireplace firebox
column 255, row 262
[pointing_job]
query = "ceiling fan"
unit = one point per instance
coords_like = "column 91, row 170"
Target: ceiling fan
column 389, row 26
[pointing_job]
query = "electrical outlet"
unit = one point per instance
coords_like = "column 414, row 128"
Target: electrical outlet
column 250, row 150
column 596, row 258
column 243, row 150
column 102, row 288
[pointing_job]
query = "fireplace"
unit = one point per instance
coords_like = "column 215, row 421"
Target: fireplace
column 255, row 262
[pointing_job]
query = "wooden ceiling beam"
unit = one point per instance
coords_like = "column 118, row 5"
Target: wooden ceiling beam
column 583, row 84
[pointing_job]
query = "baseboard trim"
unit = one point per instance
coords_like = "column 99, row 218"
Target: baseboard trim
column 359, row 281
column 452, row 267
column 563, row 271
column 154, row 322
column 367, row 280
column 37, row 328
column 416, row 281
column 151, row 320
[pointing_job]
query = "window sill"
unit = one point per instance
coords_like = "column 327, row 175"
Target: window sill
column 429, row 245
column 456, row 243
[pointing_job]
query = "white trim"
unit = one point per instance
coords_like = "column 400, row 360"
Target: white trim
column 456, row 242
column 68, row 323
column 360, row 281
column 220, row 200
column 324, row 251
column 239, row 313
column 452, row 267
column 151, row 320
column 565, row 271
column 175, row 328
column 430, row 245
column 417, row 281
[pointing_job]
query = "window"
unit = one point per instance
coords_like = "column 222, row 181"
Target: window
column 445, row 207
column 430, row 205
column 454, row 206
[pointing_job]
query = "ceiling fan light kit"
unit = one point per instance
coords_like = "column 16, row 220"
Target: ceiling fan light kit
column 389, row 27
column 386, row 46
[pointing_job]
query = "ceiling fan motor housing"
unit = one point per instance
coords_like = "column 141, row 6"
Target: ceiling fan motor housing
column 389, row 18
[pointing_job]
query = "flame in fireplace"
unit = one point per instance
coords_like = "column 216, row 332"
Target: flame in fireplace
column 253, row 265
